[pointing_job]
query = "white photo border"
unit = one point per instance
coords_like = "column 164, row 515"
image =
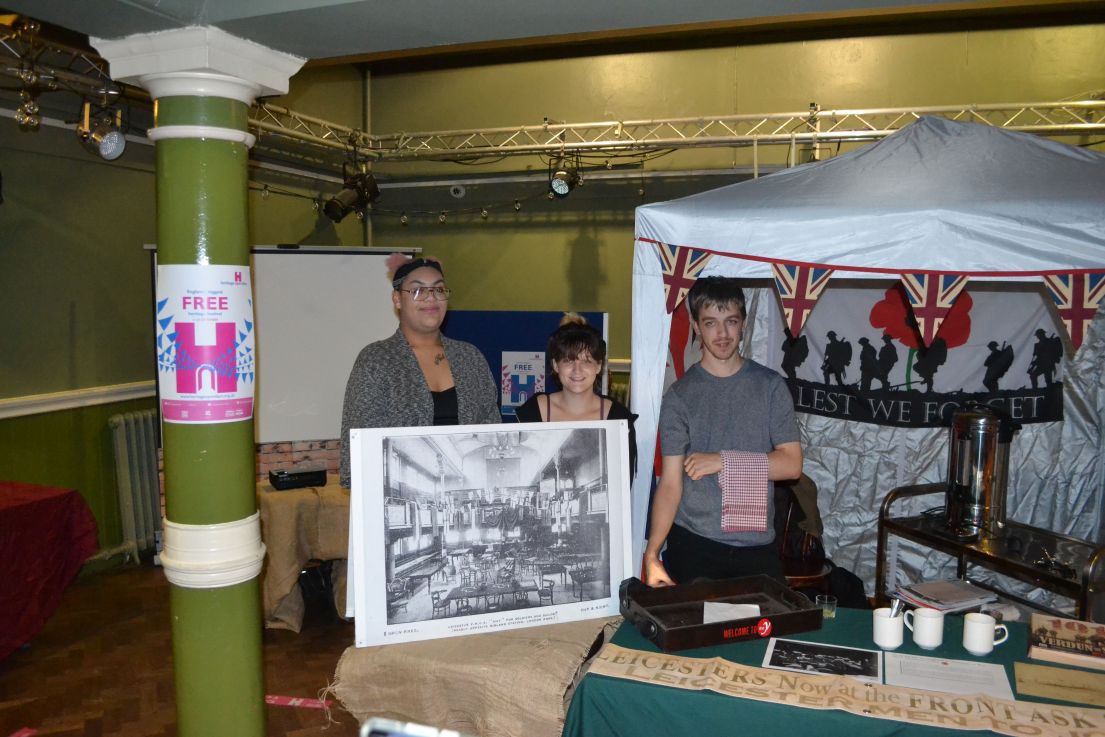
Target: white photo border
column 368, row 596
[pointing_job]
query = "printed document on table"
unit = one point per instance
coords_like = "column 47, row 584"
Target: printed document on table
column 720, row 611
column 950, row 676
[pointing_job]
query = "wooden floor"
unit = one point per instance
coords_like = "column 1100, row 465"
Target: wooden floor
column 103, row 665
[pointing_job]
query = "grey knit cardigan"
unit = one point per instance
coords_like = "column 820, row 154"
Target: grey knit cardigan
column 386, row 388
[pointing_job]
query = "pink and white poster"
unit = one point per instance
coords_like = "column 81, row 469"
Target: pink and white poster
column 523, row 376
column 205, row 343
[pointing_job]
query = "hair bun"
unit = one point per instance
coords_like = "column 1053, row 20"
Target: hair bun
column 572, row 318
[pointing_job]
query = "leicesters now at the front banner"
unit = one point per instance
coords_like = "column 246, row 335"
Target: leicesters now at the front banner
column 953, row 711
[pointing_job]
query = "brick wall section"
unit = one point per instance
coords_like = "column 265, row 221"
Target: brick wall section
column 275, row 456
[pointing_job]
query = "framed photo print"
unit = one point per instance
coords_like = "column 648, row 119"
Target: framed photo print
column 475, row 528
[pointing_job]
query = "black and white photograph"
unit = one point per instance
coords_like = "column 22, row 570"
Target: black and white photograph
column 813, row 657
column 487, row 527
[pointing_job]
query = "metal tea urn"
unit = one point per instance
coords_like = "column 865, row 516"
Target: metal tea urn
column 978, row 471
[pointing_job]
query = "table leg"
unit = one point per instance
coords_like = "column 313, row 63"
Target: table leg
column 880, row 567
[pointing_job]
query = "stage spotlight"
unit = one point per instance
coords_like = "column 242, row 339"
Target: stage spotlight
column 359, row 190
column 102, row 133
column 563, row 178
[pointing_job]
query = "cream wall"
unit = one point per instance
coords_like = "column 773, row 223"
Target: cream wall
column 528, row 261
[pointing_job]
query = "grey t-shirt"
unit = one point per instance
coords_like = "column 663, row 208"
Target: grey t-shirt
column 752, row 410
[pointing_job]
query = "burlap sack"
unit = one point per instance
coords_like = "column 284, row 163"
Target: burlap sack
column 298, row 526
column 516, row 683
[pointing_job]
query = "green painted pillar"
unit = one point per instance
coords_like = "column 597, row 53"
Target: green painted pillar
column 212, row 544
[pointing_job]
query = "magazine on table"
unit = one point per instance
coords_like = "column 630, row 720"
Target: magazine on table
column 949, row 596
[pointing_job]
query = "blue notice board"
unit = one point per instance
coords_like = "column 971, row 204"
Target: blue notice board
column 514, row 345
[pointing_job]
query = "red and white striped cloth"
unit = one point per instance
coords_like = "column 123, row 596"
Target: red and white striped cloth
column 743, row 481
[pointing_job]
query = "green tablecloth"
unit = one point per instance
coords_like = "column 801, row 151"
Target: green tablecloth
column 615, row 707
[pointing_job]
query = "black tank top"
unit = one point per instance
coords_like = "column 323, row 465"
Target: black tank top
column 446, row 411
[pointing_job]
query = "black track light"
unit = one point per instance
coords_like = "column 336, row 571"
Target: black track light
column 358, row 190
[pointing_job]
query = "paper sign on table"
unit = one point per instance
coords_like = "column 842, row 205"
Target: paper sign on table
column 720, row 611
column 1061, row 684
column 950, row 676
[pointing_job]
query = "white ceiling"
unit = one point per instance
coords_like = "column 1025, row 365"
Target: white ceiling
column 374, row 29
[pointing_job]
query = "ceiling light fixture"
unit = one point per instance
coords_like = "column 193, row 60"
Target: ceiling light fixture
column 563, row 177
column 27, row 116
column 101, row 131
column 359, row 191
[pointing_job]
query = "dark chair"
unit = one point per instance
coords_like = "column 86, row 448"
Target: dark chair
column 441, row 604
column 521, row 598
column 494, row 602
column 583, row 574
column 464, row 606
column 545, row 591
column 397, row 594
column 798, row 536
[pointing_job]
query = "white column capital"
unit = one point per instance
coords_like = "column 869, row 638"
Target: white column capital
column 201, row 61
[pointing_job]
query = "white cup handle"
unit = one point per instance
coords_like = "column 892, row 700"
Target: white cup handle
column 1004, row 634
column 908, row 617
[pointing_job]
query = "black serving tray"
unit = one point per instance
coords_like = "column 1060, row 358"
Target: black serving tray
column 671, row 616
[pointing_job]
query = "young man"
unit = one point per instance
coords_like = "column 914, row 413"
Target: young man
column 727, row 431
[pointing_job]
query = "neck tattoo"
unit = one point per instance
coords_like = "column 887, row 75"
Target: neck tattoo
column 438, row 359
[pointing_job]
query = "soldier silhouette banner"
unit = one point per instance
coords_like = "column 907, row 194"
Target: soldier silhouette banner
column 861, row 357
column 862, row 354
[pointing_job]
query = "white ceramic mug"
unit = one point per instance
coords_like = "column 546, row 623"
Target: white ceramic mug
column 887, row 629
column 927, row 626
column 980, row 633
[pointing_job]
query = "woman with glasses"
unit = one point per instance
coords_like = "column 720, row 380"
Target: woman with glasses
column 417, row 377
column 578, row 352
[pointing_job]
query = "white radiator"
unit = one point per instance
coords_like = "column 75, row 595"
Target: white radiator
column 134, row 435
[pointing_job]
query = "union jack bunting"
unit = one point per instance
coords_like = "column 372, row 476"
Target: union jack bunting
column 932, row 296
column 1076, row 296
column 799, row 288
column 681, row 267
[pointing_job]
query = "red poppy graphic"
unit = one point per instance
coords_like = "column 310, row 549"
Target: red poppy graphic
column 894, row 317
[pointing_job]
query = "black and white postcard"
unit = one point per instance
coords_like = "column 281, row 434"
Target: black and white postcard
column 816, row 657
column 477, row 528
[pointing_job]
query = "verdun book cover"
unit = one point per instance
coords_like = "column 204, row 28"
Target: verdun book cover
column 1067, row 641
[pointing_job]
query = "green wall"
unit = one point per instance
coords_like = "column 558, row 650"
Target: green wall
column 74, row 282
column 287, row 214
column 71, row 449
column 529, row 260
column 76, row 297
column 75, row 286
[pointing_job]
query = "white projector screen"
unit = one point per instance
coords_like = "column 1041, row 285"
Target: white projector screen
column 315, row 309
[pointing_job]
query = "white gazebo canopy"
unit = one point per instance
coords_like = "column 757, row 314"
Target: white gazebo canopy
column 938, row 195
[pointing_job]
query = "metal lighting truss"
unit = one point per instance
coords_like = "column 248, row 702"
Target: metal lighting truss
column 804, row 128
column 46, row 66
column 607, row 137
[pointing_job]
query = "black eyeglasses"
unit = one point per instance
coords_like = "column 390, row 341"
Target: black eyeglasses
column 421, row 294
